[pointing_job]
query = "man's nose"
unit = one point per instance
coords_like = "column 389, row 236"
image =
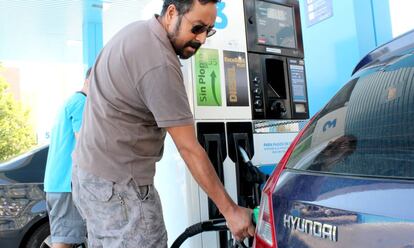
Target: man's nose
column 202, row 37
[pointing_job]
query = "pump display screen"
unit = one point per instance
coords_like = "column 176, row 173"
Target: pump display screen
column 275, row 25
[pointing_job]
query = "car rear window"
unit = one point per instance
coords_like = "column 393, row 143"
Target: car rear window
column 367, row 129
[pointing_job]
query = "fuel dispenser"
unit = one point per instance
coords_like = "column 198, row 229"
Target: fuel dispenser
column 276, row 66
column 212, row 137
column 240, row 137
column 247, row 90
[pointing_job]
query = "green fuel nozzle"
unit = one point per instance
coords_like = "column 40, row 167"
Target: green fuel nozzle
column 256, row 211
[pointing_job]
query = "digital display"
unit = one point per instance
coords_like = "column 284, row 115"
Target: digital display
column 275, row 25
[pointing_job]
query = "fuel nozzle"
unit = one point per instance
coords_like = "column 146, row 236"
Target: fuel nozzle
column 244, row 156
column 256, row 212
column 254, row 175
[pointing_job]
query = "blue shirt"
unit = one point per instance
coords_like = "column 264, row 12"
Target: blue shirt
column 58, row 172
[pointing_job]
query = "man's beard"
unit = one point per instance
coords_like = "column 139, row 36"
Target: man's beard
column 179, row 50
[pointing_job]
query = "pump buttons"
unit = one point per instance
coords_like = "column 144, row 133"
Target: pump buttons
column 278, row 108
column 258, row 104
column 257, row 91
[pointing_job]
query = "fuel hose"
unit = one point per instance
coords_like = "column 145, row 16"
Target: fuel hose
column 206, row 226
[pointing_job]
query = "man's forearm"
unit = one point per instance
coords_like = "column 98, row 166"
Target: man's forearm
column 203, row 171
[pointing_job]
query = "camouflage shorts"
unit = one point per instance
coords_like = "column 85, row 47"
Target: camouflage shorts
column 118, row 215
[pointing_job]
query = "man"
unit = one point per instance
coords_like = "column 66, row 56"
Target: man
column 137, row 94
column 66, row 225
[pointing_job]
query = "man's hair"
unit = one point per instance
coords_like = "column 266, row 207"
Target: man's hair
column 183, row 6
column 88, row 72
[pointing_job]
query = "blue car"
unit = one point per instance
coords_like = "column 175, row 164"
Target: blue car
column 23, row 217
column 347, row 180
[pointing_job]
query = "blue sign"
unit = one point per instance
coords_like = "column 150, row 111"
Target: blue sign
column 221, row 21
column 318, row 10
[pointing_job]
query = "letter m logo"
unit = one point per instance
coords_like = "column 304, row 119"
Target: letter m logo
column 329, row 124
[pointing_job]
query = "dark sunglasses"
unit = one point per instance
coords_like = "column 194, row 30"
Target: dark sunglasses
column 199, row 29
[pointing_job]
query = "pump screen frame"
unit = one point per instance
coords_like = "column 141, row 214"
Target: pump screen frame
column 275, row 25
column 253, row 33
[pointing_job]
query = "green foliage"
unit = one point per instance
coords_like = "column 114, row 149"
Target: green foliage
column 16, row 132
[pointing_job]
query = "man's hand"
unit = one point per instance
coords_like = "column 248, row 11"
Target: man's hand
column 239, row 221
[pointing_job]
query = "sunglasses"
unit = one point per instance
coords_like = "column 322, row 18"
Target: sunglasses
column 200, row 28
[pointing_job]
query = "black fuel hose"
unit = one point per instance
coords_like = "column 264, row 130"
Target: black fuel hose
column 206, row 226
column 209, row 225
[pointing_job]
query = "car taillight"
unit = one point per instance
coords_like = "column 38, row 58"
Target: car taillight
column 265, row 236
column 264, row 229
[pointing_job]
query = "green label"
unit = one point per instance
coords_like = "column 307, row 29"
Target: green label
column 208, row 84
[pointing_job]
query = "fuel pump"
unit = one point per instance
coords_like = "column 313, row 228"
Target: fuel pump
column 247, row 90
column 276, row 65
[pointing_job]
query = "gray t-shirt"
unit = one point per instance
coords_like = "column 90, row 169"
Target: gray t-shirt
column 136, row 90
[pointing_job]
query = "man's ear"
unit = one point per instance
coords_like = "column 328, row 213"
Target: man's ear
column 169, row 14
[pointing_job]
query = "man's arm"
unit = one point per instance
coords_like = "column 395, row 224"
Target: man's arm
column 238, row 218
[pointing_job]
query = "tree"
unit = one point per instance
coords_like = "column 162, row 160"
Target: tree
column 16, row 132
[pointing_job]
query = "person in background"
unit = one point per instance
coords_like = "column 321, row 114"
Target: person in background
column 137, row 95
column 66, row 224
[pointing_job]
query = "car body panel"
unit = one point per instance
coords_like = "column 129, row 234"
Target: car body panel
column 399, row 45
column 363, row 210
column 22, row 200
